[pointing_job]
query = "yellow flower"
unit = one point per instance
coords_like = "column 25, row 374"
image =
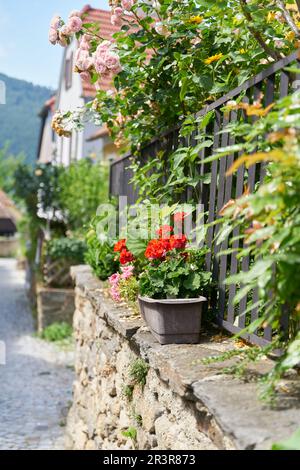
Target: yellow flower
column 213, row 58
column 196, row 19
column 290, row 36
column 243, row 51
column 271, row 16
column 38, row 172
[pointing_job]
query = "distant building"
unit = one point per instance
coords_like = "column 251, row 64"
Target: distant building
column 73, row 93
column 47, row 146
column 9, row 215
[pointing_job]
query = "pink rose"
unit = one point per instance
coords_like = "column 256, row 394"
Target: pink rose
column 103, row 48
column 53, row 36
column 127, row 4
column 112, row 60
column 118, row 11
column 85, row 76
column 75, row 24
column 85, row 43
column 100, row 65
column 56, row 22
column 117, row 69
column 66, row 31
column 83, row 61
column 63, row 40
column 116, row 20
column 75, row 13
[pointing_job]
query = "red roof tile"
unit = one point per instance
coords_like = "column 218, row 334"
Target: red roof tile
column 51, row 103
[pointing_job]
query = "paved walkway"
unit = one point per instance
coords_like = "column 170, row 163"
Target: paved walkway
column 36, row 382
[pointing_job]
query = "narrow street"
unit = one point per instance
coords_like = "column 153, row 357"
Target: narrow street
column 36, row 382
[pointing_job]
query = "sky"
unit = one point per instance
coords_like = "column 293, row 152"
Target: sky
column 25, row 52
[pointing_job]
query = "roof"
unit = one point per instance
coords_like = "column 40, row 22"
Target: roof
column 7, row 208
column 103, row 17
column 49, row 106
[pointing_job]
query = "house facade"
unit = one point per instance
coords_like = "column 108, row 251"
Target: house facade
column 74, row 93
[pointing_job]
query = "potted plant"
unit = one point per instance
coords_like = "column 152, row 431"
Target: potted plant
column 171, row 288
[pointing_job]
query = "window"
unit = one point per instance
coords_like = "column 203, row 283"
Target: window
column 69, row 72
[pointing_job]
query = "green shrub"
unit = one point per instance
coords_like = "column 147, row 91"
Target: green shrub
column 129, row 289
column 82, row 189
column 100, row 254
column 57, row 332
column 70, row 249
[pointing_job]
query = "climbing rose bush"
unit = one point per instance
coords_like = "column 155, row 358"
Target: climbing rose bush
column 170, row 58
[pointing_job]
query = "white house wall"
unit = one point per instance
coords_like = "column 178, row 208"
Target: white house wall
column 47, row 148
column 69, row 149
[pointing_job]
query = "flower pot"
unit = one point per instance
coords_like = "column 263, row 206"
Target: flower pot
column 173, row 321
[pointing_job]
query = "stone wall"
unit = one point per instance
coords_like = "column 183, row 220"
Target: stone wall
column 8, row 247
column 54, row 305
column 184, row 404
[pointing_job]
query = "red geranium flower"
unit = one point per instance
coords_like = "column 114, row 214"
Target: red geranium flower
column 178, row 242
column 126, row 256
column 157, row 249
column 165, row 243
column 164, row 231
column 120, row 245
column 179, row 217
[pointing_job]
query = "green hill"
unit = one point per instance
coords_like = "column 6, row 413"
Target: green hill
column 19, row 123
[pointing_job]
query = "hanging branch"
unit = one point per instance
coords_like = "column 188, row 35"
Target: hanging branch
column 288, row 17
column 257, row 35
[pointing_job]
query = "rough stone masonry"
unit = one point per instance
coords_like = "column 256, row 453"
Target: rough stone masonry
column 184, row 405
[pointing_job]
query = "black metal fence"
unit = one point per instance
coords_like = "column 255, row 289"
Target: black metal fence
column 274, row 83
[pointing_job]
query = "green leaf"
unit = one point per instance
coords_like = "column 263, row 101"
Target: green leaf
column 193, row 282
column 293, row 443
column 184, row 87
column 136, row 246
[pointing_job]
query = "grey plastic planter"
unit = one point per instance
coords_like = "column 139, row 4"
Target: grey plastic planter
column 173, row 321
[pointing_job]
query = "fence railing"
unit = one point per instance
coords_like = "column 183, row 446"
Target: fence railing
column 274, row 83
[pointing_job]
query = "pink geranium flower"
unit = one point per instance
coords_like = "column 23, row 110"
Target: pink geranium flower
column 127, row 272
column 114, row 279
